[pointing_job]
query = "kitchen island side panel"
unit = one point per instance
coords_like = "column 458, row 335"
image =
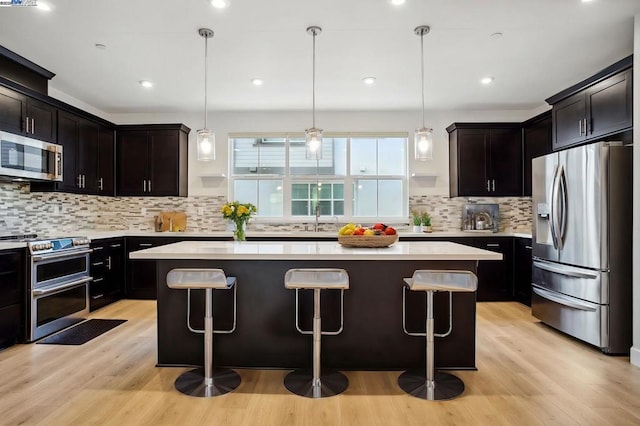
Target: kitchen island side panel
column 266, row 336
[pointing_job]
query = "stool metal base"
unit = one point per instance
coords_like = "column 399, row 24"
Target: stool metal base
column 300, row 382
column 447, row 386
column 192, row 382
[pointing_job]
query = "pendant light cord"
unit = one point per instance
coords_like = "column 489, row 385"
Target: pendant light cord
column 314, row 80
column 206, row 40
column 422, row 70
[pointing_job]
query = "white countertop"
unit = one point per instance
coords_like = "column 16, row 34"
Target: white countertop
column 314, row 250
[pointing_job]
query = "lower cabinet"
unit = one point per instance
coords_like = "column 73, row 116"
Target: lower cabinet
column 522, row 270
column 107, row 270
column 12, row 296
column 495, row 277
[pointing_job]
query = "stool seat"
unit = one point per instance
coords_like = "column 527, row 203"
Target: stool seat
column 321, row 278
column 429, row 280
column 185, row 278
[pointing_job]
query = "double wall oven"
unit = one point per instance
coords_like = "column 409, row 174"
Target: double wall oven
column 58, row 293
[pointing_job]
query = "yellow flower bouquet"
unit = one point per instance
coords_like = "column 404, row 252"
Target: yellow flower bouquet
column 240, row 214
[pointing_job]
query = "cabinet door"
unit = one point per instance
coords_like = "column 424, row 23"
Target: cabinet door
column 163, row 162
column 610, row 105
column 132, row 163
column 106, row 165
column 568, row 121
column 495, row 281
column 141, row 274
column 42, row 120
column 98, row 269
column 522, row 273
column 472, row 162
column 87, row 159
column 537, row 142
column 12, row 297
column 505, row 160
column 68, row 126
column 115, row 273
column 13, row 110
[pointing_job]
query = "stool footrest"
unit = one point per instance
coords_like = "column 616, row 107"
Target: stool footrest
column 301, row 383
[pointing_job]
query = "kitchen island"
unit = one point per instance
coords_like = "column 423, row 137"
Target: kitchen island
column 266, row 336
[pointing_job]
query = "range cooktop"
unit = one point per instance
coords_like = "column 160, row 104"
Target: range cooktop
column 19, row 237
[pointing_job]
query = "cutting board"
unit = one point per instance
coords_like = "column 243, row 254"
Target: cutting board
column 171, row 221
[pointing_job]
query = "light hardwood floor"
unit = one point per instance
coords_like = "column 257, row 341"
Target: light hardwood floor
column 527, row 374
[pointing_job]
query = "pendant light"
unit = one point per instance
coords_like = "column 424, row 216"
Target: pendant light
column 206, row 139
column 313, row 136
column 423, row 138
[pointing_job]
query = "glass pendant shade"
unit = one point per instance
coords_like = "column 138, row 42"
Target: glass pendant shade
column 423, row 143
column 313, row 143
column 206, row 145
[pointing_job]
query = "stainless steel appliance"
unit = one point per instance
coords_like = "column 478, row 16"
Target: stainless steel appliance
column 59, row 278
column 582, row 221
column 23, row 158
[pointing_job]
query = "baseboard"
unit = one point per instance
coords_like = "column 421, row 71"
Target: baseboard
column 635, row 356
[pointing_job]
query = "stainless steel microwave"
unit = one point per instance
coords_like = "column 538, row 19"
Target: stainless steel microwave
column 23, row 158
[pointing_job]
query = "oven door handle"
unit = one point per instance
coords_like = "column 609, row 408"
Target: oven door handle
column 61, row 255
column 56, row 289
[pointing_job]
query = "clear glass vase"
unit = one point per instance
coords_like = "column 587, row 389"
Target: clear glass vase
column 239, row 234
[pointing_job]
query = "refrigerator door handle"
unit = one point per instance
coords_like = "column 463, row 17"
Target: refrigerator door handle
column 563, row 300
column 564, row 271
column 553, row 209
column 562, row 190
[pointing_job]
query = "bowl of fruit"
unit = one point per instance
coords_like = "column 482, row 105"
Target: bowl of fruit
column 378, row 235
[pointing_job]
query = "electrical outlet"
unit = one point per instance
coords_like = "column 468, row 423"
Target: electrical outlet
column 143, row 211
column 200, row 211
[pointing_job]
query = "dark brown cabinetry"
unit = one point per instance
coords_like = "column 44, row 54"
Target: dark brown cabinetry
column 88, row 155
column 485, row 159
column 152, row 160
column 522, row 270
column 495, row 277
column 536, row 141
column 597, row 107
column 107, row 271
column 24, row 115
column 12, row 296
column 141, row 274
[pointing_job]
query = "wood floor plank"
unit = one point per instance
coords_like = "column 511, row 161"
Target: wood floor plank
column 528, row 374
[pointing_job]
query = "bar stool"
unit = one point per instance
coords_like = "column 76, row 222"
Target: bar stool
column 207, row 381
column 316, row 383
column 434, row 385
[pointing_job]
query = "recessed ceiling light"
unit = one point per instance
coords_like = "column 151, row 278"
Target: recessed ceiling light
column 257, row 81
column 43, row 6
column 100, row 46
column 496, row 35
column 397, row 2
column 487, row 80
column 586, row 1
column 369, row 80
column 219, row 4
column 146, row 83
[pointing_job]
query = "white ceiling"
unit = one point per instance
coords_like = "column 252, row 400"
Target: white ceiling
column 547, row 46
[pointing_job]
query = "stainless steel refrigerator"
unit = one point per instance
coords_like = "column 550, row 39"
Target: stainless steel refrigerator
column 582, row 225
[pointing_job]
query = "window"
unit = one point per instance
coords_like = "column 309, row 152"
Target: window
column 359, row 178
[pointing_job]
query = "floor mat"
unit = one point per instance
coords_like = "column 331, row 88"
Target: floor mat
column 83, row 332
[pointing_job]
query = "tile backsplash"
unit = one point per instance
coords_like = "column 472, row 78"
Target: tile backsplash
column 46, row 213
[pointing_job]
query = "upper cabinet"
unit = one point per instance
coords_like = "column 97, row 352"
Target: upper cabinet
column 152, row 160
column 536, row 141
column 599, row 106
column 21, row 114
column 485, row 159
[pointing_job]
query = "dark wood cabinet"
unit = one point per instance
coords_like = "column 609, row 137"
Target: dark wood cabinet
column 495, row 277
column 599, row 106
column 107, row 270
column 536, row 141
column 12, row 296
column 485, row 159
column 141, row 274
column 88, row 156
column 152, row 160
column 522, row 270
column 21, row 114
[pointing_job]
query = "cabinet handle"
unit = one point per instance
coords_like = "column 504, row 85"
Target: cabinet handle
column 97, row 263
column 144, row 185
column 115, row 245
column 97, row 280
column 26, row 124
column 109, row 262
column 145, row 244
column 33, row 126
column 493, row 185
column 527, row 247
column 97, row 248
column 586, row 126
column 493, row 245
column 79, row 182
column 149, row 185
column 84, row 181
column 97, row 296
column 488, row 187
column 100, row 184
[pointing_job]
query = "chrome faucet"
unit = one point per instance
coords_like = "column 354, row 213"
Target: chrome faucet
column 315, row 228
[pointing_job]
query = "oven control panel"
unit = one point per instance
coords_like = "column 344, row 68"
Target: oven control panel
column 58, row 245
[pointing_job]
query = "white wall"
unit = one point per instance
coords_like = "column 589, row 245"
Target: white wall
column 224, row 123
column 635, row 350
